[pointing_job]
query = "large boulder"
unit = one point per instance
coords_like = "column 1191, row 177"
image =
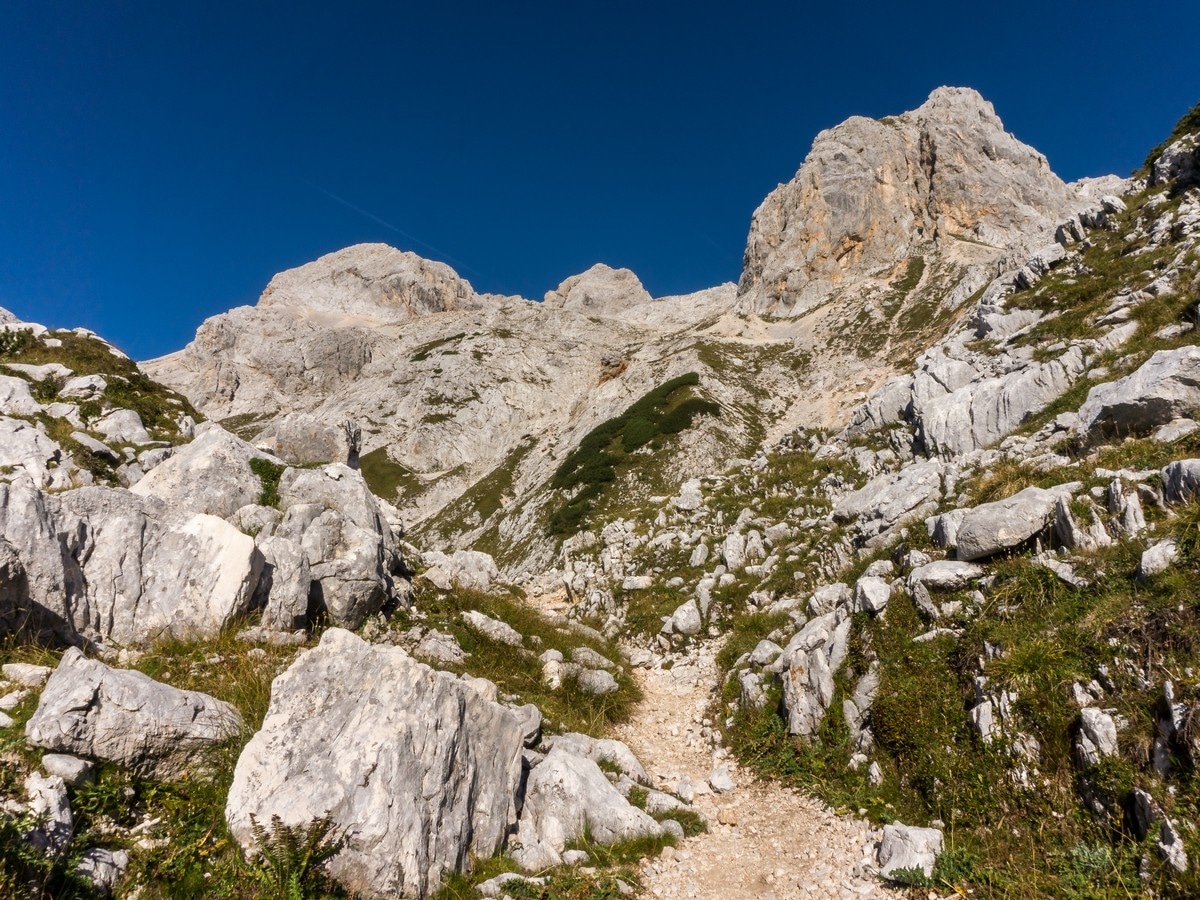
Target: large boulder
column 301, row 439
column 991, row 528
column 1165, row 387
column 119, row 715
column 211, row 474
column 567, row 796
column 351, row 549
column 418, row 772
column 471, row 569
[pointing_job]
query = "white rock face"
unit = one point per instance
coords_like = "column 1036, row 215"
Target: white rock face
column 809, row 662
column 301, row 439
column 601, row 290
column 565, row 796
column 1165, row 387
column 991, row 527
column 88, row 709
column 372, row 280
column 1181, row 480
column 415, row 767
column 465, row 568
column 210, row 475
column 127, row 568
column 906, row 847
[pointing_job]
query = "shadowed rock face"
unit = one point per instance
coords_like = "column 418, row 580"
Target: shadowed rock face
column 372, row 280
column 871, row 192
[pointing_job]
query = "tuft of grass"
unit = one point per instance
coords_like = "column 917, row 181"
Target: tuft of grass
column 269, row 474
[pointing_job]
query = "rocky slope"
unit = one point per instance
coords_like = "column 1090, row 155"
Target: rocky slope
column 960, row 600
column 863, row 260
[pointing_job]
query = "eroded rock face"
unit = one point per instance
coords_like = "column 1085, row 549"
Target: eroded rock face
column 371, row 280
column 871, row 193
column 566, row 796
column 119, row 715
column 417, row 770
column 1164, row 388
column 210, row 475
column 601, row 290
column 105, row 563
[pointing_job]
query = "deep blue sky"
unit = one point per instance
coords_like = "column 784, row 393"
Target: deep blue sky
column 159, row 161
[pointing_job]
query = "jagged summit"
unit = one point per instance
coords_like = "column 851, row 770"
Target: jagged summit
column 871, row 193
column 374, row 281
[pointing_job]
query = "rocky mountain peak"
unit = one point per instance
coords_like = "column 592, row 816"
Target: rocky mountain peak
column 601, row 289
column 872, row 193
column 374, row 281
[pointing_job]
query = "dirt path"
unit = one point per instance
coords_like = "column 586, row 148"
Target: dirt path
column 764, row 841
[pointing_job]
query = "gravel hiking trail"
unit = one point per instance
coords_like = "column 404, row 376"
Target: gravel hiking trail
column 764, row 841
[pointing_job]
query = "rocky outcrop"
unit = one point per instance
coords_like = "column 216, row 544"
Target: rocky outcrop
column 1005, row 524
column 118, row 715
column 567, row 797
column 417, row 771
column 104, row 563
column 350, row 549
column 601, row 290
column 210, row 475
column 873, row 193
column 1165, row 387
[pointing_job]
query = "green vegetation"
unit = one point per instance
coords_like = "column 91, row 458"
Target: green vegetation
column 423, row 352
column 594, row 464
column 268, row 473
column 478, row 504
column 127, row 387
column 291, row 857
column 387, row 478
column 1189, row 124
column 247, row 426
column 199, row 857
column 519, row 672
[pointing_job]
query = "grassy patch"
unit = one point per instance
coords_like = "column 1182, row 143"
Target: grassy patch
column 387, row 478
column 518, row 671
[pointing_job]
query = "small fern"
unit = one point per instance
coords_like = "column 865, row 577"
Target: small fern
column 290, row 864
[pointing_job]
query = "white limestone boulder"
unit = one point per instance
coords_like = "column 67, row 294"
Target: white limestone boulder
column 90, row 710
column 418, row 771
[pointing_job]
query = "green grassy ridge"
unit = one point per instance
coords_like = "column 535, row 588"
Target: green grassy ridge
column 605, row 451
column 1188, row 124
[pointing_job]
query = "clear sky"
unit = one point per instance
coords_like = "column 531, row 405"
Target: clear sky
column 159, row 161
